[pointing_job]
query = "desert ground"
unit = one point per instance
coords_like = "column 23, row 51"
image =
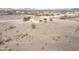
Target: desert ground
column 40, row 33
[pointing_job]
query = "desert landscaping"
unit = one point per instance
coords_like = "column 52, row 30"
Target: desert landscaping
column 39, row 30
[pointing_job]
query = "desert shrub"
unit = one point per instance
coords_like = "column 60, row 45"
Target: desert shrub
column 46, row 43
column 1, row 39
column 9, row 49
column 12, row 27
column 52, row 15
column 42, row 47
column 10, row 13
column 57, row 14
column 33, row 25
column 17, row 44
column 45, row 20
column 17, row 31
column 37, row 14
column 24, row 35
column 77, row 30
column 69, row 13
column 51, row 19
column 64, row 17
column 0, row 33
column 26, row 18
column 0, row 36
column 46, row 14
column 78, row 14
column 6, row 47
column 2, row 42
column 40, row 20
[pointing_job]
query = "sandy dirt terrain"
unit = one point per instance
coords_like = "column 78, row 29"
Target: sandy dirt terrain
column 50, row 35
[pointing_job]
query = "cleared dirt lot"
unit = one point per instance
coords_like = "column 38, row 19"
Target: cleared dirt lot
column 55, row 35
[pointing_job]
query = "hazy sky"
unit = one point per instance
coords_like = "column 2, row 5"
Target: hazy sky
column 39, row 4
